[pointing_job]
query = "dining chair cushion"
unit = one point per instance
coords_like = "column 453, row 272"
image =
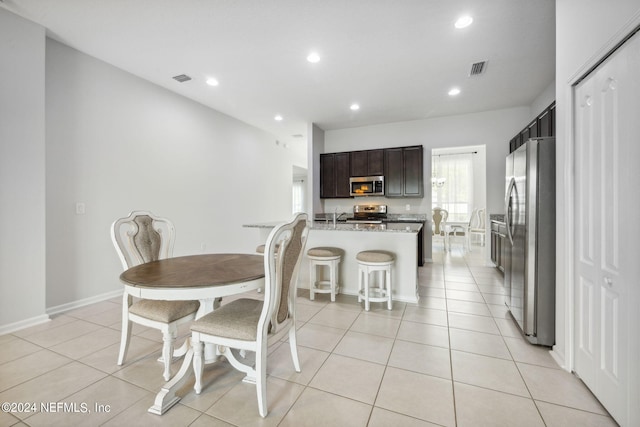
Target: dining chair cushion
column 238, row 319
column 260, row 249
column 163, row 311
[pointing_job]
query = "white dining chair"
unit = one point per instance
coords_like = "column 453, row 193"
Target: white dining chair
column 439, row 228
column 250, row 325
column 139, row 238
column 477, row 227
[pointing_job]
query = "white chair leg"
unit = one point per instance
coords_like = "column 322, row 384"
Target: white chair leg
column 388, row 287
column 312, row 279
column 366, row 290
column 198, row 365
column 168, row 337
column 333, row 279
column 293, row 344
column 126, row 329
column 360, row 289
column 124, row 341
column 261, row 381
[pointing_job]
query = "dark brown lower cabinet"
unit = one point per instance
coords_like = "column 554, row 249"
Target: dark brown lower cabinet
column 498, row 236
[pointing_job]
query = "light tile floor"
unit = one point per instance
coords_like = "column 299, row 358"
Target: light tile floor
column 453, row 359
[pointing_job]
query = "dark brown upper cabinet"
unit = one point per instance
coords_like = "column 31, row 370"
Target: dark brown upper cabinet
column 542, row 126
column 403, row 168
column 367, row 163
column 546, row 121
column 334, row 175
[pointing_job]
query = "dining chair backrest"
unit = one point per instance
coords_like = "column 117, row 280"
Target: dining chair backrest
column 478, row 221
column 139, row 238
column 473, row 218
column 142, row 237
column 287, row 241
column 439, row 216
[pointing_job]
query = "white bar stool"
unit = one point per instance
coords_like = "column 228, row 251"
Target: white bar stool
column 324, row 257
column 370, row 262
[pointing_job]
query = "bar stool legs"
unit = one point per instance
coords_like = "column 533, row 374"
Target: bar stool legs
column 324, row 257
column 372, row 262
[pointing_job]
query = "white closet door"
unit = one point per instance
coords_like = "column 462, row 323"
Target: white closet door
column 607, row 165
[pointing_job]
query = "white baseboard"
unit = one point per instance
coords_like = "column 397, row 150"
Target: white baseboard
column 22, row 324
column 83, row 302
column 559, row 359
column 27, row 323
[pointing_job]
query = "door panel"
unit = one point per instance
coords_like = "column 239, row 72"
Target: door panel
column 610, row 103
column 609, row 345
column 606, row 228
column 585, row 309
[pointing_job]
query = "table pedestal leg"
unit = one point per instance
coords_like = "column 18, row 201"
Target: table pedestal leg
column 166, row 398
column 207, row 306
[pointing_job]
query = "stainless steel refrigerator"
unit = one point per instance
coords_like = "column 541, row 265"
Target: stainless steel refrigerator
column 530, row 208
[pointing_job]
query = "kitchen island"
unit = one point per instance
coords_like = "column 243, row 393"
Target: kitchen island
column 398, row 238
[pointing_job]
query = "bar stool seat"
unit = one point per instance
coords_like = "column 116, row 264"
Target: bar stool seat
column 329, row 257
column 370, row 262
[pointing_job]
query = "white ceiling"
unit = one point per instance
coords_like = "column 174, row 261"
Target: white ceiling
column 396, row 58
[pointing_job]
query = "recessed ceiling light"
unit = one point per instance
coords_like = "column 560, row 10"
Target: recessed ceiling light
column 313, row 57
column 212, row 81
column 454, row 91
column 463, row 21
column 278, row 118
column 354, row 107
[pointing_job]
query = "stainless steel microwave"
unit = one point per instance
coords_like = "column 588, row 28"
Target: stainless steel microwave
column 367, row 186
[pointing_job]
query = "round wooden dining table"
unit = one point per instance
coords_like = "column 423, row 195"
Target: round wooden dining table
column 204, row 277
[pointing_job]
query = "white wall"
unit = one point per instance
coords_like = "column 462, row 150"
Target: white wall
column 22, row 180
column 543, row 100
column 585, row 31
column 118, row 143
column 315, row 146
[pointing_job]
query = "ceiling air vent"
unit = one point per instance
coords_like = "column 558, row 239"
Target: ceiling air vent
column 182, row 78
column 478, row 68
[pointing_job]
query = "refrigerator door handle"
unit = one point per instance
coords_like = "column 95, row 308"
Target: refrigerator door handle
column 507, row 199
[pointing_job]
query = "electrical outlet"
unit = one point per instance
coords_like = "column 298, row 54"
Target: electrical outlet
column 80, row 208
column 203, row 247
column 407, row 207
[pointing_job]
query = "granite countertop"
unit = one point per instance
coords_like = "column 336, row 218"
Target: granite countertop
column 387, row 227
column 263, row 224
column 410, row 227
column 407, row 218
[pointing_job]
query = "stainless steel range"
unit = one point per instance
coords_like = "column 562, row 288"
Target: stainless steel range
column 368, row 214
